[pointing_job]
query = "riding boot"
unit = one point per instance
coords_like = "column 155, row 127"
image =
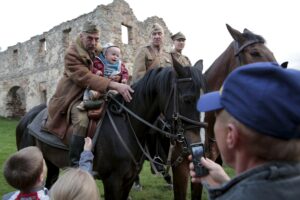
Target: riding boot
column 75, row 149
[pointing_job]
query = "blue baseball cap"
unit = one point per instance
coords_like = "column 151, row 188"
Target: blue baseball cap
column 263, row 96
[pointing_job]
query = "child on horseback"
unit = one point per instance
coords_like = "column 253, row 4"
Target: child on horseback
column 107, row 64
column 77, row 76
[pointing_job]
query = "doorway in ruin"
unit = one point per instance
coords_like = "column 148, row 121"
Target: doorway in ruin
column 16, row 103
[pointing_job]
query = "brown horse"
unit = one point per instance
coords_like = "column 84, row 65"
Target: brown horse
column 246, row 48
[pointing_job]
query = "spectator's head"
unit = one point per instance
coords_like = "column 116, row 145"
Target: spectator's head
column 25, row 169
column 90, row 37
column 258, row 109
column 75, row 184
column 156, row 35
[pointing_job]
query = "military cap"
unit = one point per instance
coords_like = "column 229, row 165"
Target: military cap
column 156, row 28
column 90, row 27
column 177, row 36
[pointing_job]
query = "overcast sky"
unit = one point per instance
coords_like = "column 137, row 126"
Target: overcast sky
column 203, row 22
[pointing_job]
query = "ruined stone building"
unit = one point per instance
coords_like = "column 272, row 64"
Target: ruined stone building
column 29, row 71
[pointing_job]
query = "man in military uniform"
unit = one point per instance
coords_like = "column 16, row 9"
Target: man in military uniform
column 152, row 55
column 76, row 78
column 179, row 43
column 148, row 57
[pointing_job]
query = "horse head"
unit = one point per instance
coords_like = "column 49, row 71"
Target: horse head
column 246, row 48
column 249, row 47
column 179, row 110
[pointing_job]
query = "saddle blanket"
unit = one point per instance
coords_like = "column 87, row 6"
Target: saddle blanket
column 34, row 129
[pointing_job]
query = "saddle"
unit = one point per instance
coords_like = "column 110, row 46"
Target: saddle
column 95, row 115
column 36, row 127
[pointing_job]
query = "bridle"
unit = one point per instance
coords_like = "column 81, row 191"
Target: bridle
column 177, row 125
column 176, row 116
column 239, row 48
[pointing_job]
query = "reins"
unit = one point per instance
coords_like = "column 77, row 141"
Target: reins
column 238, row 49
column 128, row 111
column 166, row 134
column 176, row 126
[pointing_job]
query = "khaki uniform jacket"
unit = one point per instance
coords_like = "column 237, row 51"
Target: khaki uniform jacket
column 147, row 59
column 76, row 77
column 182, row 59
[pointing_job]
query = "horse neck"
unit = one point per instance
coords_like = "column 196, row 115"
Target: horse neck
column 219, row 70
column 145, row 105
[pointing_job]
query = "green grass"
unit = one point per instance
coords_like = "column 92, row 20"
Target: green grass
column 154, row 187
column 7, row 147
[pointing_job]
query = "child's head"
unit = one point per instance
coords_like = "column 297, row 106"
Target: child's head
column 25, row 169
column 111, row 53
column 75, row 184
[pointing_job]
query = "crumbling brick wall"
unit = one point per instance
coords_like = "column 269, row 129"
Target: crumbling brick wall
column 35, row 66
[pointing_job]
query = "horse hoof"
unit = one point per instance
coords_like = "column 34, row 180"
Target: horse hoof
column 169, row 186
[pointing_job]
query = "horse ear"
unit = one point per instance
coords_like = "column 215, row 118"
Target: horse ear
column 199, row 64
column 247, row 31
column 178, row 68
column 236, row 35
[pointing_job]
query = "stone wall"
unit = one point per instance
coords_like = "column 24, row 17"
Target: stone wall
column 29, row 71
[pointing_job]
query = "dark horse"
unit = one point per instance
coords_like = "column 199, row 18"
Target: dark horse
column 119, row 147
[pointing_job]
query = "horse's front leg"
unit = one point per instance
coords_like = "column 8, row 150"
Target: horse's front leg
column 116, row 188
column 52, row 174
column 196, row 191
column 180, row 180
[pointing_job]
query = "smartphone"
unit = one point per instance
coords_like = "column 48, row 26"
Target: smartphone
column 197, row 150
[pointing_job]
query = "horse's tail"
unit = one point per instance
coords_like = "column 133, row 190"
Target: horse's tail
column 22, row 131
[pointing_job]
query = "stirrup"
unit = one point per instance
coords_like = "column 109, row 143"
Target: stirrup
column 158, row 164
column 158, row 159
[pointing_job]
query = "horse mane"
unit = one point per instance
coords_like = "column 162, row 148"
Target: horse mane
column 251, row 36
column 157, row 77
column 160, row 79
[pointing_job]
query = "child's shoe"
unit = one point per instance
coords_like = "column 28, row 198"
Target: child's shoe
column 94, row 95
column 81, row 106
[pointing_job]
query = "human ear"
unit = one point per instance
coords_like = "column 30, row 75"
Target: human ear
column 232, row 136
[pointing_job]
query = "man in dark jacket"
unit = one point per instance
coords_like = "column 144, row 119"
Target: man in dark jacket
column 257, row 130
column 76, row 77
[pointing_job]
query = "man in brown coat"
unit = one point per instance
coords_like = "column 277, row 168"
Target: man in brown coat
column 179, row 43
column 76, row 77
column 152, row 55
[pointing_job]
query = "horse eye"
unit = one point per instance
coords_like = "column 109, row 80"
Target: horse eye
column 188, row 99
column 255, row 54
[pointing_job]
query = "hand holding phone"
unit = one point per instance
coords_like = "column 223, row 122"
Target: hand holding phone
column 197, row 150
